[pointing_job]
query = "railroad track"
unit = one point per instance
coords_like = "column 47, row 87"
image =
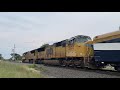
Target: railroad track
column 94, row 73
column 100, row 71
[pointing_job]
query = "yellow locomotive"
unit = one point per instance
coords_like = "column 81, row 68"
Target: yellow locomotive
column 76, row 51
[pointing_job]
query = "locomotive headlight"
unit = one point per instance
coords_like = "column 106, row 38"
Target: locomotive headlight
column 102, row 62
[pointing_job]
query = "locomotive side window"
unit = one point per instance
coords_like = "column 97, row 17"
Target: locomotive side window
column 72, row 41
column 63, row 43
column 41, row 49
column 32, row 51
column 58, row 44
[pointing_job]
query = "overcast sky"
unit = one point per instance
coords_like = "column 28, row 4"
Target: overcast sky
column 29, row 30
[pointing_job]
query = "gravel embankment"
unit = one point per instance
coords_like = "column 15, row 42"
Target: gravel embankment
column 62, row 72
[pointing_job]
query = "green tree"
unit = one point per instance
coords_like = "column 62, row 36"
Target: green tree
column 44, row 45
column 1, row 58
column 17, row 56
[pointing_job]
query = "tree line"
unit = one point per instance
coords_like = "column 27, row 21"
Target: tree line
column 16, row 57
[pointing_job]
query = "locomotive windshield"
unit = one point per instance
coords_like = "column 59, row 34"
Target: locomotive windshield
column 79, row 39
column 83, row 39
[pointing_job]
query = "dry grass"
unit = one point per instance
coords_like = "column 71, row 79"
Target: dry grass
column 12, row 70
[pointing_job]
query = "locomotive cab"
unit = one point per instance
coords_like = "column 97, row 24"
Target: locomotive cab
column 77, row 50
column 79, row 39
column 76, row 46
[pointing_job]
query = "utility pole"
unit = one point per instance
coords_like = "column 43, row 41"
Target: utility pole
column 13, row 50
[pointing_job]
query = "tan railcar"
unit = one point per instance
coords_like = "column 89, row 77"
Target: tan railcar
column 106, row 37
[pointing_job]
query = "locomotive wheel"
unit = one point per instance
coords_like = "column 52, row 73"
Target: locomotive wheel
column 29, row 61
column 72, row 64
column 63, row 64
column 23, row 61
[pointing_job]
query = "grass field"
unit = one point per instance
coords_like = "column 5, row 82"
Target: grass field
column 13, row 70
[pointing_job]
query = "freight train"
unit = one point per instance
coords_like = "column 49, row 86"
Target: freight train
column 80, row 51
column 70, row 52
